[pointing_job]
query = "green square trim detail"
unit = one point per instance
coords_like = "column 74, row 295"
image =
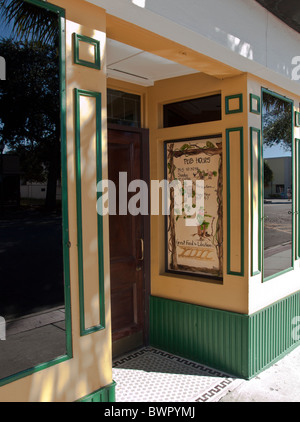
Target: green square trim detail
column 78, row 93
column 237, row 344
column 77, row 38
column 233, row 97
column 228, row 184
column 253, row 109
column 297, row 118
column 104, row 395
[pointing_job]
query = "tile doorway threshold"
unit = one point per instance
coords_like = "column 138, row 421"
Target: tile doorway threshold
column 152, row 375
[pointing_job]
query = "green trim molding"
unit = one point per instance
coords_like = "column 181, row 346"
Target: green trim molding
column 48, row 6
column 256, row 189
column 297, row 118
column 237, row 344
column 255, row 104
column 77, row 39
column 229, row 197
column 297, row 207
column 103, row 395
column 228, row 100
column 78, row 93
column 64, row 176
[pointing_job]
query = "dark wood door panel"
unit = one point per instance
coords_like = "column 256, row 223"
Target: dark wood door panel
column 123, row 315
column 127, row 272
column 121, row 279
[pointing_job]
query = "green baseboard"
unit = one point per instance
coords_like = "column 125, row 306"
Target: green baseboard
column 238, row 344
column 104, row 395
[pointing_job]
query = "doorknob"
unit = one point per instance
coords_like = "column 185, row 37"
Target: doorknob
column 142, row 249
column 139, row 267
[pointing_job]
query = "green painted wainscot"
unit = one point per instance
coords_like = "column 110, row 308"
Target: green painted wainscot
column 240, row 345
column 104, row 395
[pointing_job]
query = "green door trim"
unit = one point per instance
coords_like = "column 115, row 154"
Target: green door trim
column 65, row 214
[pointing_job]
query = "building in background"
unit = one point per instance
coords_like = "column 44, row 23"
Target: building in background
column 280, row 185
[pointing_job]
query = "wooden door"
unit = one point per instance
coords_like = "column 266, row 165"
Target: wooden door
column 128, row 261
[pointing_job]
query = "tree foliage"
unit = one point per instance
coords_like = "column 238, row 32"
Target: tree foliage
column 268, row 174
column 30, row 111
column 277, row 122
column 29, row 22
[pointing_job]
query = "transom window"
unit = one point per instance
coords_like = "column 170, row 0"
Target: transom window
column 197, row 110
column 123, row 108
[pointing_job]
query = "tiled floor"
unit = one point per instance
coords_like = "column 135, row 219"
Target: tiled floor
column 151, row 375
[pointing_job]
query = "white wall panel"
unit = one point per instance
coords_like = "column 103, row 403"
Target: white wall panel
column 240, row 33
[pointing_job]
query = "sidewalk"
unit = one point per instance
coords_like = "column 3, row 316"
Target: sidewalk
column 279, row 383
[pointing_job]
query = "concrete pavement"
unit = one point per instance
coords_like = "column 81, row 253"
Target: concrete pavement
column 279, row 383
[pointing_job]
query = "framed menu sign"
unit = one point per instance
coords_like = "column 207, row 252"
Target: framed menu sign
column 194, row 242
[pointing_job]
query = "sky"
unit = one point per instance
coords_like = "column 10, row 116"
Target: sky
column 275, row 151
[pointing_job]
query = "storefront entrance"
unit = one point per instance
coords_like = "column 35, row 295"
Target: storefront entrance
column 129, row 242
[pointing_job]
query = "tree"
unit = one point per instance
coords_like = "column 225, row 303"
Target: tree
column 29, row 22
column 30, row 111
column 29, row 100
column 268, row 174
column 277, row 122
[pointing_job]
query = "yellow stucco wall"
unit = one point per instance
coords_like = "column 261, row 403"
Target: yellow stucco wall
column 233, row 293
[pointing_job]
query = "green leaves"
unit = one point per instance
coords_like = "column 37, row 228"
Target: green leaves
column 277, row 120
column 29, row 22
column 210, row 145
column 185, row 147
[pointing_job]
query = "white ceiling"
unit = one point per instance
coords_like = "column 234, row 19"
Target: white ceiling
column 137, row 66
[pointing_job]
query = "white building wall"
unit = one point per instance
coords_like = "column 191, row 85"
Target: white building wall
column 240, row 33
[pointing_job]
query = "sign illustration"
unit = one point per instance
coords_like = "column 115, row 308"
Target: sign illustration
column 196, row 248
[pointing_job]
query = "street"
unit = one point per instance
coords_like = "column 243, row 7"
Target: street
column 277, row 223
